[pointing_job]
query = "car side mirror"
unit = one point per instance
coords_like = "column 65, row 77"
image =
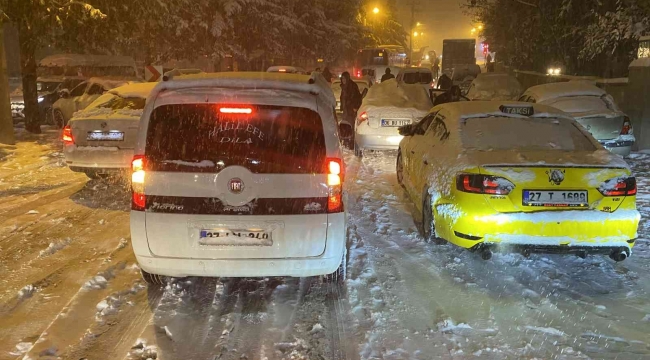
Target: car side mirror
column 364, row 93
column 406, row 130
column 64, row 93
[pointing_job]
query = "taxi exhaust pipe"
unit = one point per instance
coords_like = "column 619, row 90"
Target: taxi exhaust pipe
column 618, row 255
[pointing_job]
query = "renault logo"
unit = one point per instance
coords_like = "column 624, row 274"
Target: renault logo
column 236, row 186
column 555, row 176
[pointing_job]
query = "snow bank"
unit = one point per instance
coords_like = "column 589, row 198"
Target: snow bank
column 546, row 330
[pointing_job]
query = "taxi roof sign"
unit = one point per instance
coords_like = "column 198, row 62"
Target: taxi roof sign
column 525, row 110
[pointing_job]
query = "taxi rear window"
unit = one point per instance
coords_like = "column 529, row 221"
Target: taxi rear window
column 209, row 137
column 503, row 133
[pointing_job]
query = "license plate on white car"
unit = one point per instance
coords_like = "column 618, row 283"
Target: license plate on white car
column 394, row 122
column 556, row 198
column 105, row 136
column 249, row 237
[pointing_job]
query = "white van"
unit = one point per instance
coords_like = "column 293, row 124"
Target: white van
column 239, row 175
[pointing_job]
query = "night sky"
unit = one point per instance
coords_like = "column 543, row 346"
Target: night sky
column 442, row 19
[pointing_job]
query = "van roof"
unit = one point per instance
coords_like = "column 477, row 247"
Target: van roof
column 314, row 84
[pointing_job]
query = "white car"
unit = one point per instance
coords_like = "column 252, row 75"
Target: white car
column 592, row 107
column 386, row 107
column 416, row 75
column 362, row 83
column 286, row 70
column 494, row 86
column 100, row 139
column 239, row 175
column 80, row 97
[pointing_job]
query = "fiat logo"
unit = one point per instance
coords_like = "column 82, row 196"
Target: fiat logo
column 236, row 186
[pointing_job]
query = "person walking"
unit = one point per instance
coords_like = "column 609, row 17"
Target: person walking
column 327, row 74
column 350, row 101
column 387, row 75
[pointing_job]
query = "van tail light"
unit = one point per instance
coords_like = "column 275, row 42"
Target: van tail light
column 362, row 117
column 67, row 136
column 627, row 127
column 483, row 184
column 138, row 165
column 334, row 171
column 621, row 186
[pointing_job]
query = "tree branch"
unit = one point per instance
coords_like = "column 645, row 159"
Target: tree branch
column 526, row 3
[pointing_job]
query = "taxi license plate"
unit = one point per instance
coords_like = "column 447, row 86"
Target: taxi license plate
column 105, row 136
column 394, row 123
column 556, row 198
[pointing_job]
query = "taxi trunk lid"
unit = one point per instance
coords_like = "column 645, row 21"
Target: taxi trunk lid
column 538, row 187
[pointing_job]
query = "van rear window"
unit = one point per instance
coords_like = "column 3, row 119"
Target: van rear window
column 202, row 138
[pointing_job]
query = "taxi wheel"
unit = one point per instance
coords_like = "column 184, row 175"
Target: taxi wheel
column 428, row 225
column 357, row 151
column 399, row 169
column 153, row 279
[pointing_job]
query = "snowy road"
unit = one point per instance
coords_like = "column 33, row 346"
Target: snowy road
column 71, row 288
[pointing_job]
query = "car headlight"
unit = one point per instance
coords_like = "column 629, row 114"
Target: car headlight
column 40, row 99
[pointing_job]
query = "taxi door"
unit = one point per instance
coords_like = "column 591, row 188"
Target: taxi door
column 408, row 149
column 426, row 156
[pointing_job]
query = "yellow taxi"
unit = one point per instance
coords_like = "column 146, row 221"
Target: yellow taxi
column 516, row 177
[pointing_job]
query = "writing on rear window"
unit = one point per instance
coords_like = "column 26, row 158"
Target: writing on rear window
column 236, row 129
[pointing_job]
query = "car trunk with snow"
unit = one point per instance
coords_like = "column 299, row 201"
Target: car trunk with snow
column 550, row 165
column 235, row 182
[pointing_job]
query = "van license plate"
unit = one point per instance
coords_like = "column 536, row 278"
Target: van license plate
column 556, row 198
column 105, row 136
column 235, row 237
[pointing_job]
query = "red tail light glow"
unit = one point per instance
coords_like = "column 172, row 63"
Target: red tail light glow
column 622, row 186
column 67, row 136
column 362, row 117
column 139, row 199
column 483, row 184
column 627, row 127
column 334, row 170
column 235, row 110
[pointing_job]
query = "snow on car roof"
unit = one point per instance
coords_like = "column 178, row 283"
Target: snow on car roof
column 314, row 84
column 559, row 89
column 110, row 83
column 415, row 69
column 388, row 93
column 86, row 60
column 141, row 90
column 476, row 109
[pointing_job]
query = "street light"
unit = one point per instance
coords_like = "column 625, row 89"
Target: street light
column 375, row 10
column 415, row 33
column 418, row 24
column 480, row 27
column 473, row 30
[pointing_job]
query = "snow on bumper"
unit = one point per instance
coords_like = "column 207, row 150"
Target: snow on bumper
column 573, row 228
column 378, row 142
column 97, row 157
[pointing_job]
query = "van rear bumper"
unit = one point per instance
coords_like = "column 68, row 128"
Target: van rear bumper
column 239, row 267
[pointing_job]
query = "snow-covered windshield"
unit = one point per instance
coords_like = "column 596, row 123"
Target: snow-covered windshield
column 504, row 133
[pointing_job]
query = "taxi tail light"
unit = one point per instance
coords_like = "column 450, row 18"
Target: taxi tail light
column 334, row 171
column 627, row 127
column 362, row 117
column 625, row 186
column 139, row 199
column 67, row 136
column 483, row 184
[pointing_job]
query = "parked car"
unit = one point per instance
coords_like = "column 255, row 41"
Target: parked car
column 49, row 90
column 362, row 83
column 240, row 177
column 385, row 108
column 416, row 75
column 516, row 177
column 287, row 69
column 592, row 107
column 494, row 86
column 80, row 97
column 100, row 139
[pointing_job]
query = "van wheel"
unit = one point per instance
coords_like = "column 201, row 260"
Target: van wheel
column 58, row 119
column 399, row 169
column 338, row 276
column 428, row 224
column 153, row 279
column 357, row 151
